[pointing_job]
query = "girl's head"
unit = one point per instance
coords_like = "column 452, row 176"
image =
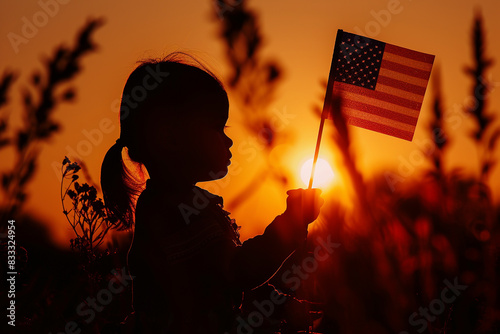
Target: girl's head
column 172, row 116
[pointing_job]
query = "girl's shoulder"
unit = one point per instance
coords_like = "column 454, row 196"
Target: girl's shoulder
column 158, row 210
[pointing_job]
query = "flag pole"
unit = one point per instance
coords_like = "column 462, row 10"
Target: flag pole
column 326, row 103
column 316, row 151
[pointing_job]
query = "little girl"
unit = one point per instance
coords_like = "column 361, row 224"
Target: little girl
column 189, row 267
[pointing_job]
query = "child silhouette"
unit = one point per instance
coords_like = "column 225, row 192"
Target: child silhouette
column 189, row 267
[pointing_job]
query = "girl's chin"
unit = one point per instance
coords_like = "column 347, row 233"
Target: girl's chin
column 212, row 176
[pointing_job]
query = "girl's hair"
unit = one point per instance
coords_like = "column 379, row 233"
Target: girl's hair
column 171, row 86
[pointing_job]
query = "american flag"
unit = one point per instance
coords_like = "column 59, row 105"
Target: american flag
column 382, row 86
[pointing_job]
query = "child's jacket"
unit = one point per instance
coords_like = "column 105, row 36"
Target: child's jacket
column 188, row 266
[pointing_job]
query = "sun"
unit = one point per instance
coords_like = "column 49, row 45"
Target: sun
column 323, row 174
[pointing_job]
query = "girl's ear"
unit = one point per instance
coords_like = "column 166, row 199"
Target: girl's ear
column 165, row 138
column 159, row 131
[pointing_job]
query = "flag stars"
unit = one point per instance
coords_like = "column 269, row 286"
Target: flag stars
column 357, row 61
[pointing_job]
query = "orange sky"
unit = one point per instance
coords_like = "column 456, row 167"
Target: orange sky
column 298, row 34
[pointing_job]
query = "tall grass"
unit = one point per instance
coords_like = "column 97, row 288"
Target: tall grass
column 47, row 90
column 253, row 81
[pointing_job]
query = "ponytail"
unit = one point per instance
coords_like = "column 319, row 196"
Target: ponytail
column 120, row 188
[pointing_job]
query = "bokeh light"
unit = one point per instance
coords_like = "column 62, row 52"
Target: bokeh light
column 323, row 174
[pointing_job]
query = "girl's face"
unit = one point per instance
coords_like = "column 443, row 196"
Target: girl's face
column 192, row 148
column 208, row 148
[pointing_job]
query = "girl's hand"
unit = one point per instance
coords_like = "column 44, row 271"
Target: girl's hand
column 303, row 205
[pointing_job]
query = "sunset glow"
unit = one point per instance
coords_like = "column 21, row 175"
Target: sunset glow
column 323, row 174
column 121, row 212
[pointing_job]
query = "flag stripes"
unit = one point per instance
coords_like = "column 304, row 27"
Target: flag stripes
column 409, row 62
column 410, row 54
column 397, row 67
column 398, row 92
column 403, row 77
column 381, row 120
column 382, row 128
column 384, row 100
column 379, row 111
column 406, row 86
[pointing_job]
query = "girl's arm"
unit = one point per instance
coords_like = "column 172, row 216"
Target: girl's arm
column 258, row 259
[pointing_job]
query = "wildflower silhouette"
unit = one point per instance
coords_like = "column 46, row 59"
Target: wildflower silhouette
column 87, row 215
